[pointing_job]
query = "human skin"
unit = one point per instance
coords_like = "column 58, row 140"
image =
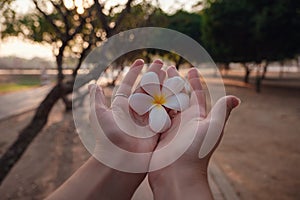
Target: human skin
column 95, row 180
column 186, row 178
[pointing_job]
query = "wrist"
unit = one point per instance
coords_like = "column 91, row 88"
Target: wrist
column 176, row 182
column 111, row 180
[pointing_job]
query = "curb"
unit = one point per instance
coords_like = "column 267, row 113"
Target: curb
column 221, row 187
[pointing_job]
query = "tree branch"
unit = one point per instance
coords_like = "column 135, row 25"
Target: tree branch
column 122, row 15
column 81, row 23
column 63, row 15
column 102, row 18
column 83, row 55
column 92, row 40
column 48, row 18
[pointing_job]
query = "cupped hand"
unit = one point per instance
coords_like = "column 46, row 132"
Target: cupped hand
column 121, row 136
column 105, row 119
column 195, row 136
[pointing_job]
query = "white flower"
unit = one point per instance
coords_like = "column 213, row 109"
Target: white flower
column 158, row 98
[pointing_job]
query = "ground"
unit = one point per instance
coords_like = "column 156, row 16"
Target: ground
column 260, row 151
column 52, row 157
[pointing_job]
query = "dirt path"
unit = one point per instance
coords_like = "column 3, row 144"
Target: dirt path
column 260, row 152
column 47, row 163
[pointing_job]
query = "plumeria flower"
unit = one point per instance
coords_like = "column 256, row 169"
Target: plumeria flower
column 158, row 98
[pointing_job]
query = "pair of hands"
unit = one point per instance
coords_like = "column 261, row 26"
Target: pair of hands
column 188, row 169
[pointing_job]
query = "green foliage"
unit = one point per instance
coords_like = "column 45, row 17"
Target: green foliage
column 182, row 21
column 227, row 30
column 251, row 30
column 187, row 23
column 277, row 28
column 138, row 17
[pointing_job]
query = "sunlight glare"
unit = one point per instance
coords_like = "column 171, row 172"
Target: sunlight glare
column 80, row 10
column 17, row 47
column 69, row 4
column 78, row 3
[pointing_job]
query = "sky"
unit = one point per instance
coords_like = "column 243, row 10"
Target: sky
column 28, row 50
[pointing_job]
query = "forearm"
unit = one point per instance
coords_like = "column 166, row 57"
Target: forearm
column 180, row 184
column 97, row 181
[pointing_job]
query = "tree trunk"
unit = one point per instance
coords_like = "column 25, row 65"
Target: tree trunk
column 247, row 73
column 26, row 136
column 258, row 78
column 67, row 102
column 265, row 69
column 281, row 72
column 60, row 75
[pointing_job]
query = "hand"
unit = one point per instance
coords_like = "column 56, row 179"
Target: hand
column 96, row 180
column 187, row 176
column 116, row 123
column 184, row 178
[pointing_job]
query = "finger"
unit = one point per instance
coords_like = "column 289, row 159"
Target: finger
column 194, row 79
column 197, row 94
column 172, row 71
column 221, row 110
column 217, row 119
column 161, row 76
column 156, row 67
column 130, row 78
column 97, row 98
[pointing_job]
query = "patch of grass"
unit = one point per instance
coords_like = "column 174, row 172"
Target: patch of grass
column 13, row 87
column 22, row 83
column 28, row 80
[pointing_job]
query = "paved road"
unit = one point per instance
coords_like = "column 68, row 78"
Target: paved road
column 18, row 102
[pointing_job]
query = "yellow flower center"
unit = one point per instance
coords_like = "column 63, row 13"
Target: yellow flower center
column 159, row 99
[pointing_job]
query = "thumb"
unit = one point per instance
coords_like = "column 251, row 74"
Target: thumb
column 222, row 109
column 97, row 104
column 97, row 98
column 217, row 117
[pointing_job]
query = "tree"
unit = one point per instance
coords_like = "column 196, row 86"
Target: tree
column 276, row 29
column 181, row 21
column 251, row 30
column 227, row 32
column 187, row 23
column 73, row 30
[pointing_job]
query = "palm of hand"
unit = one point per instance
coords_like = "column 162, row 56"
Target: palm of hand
column 108, row 118
column 121, row 138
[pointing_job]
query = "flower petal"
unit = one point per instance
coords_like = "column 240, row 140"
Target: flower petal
column 177, row 102
column 140, row 103
column 173, row 85
column 150, row 83
column 159, row 119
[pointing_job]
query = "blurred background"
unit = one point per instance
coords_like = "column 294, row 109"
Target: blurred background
column 254, row 43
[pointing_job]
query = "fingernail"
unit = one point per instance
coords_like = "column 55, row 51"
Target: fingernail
column 171, row 67
column 193, row 73
column 139, row 62
column 158, row 61
column 236, row 102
